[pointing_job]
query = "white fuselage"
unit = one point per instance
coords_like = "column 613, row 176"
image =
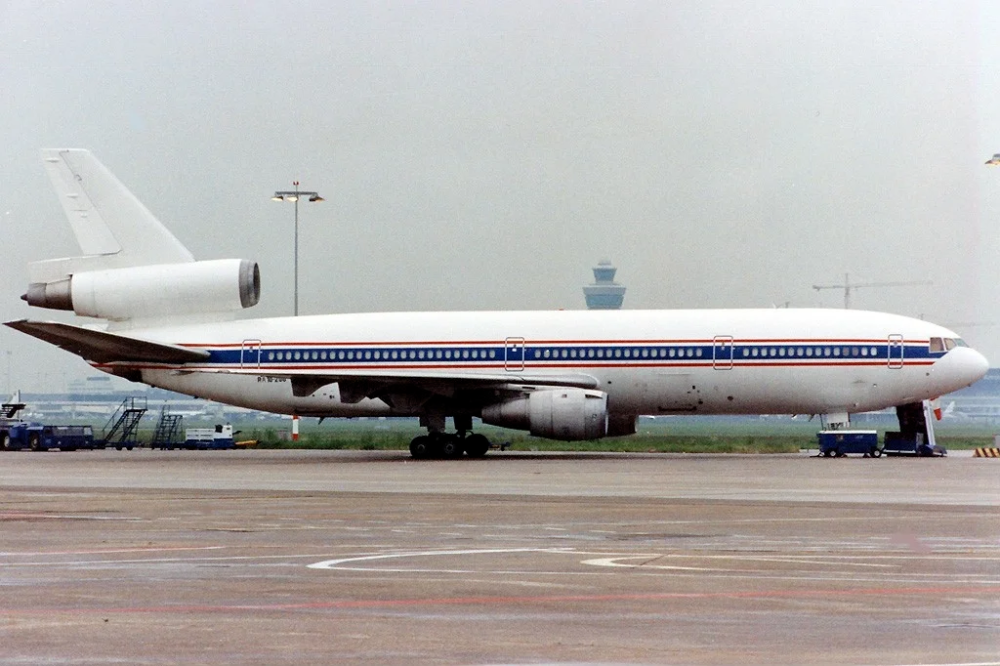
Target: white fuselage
column 779, row 361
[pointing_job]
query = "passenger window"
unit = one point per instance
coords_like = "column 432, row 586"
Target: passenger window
column 270, row 356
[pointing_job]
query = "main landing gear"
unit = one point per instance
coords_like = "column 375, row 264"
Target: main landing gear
column 439, row 444
column 444, row 445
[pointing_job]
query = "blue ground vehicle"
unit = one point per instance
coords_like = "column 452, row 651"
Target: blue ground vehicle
column 16, row 434
column 842, row 442
column 42, row 437
column 912, row 444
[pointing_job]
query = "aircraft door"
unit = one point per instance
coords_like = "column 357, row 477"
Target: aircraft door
column 513, row 354
column 722, row 352
column 250, row 354
column 896, row 351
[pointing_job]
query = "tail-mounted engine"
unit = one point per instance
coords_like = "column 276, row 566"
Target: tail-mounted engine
column 565, row 414
column 140, row 292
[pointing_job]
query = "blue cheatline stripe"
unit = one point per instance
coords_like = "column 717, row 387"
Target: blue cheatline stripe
column 542, row 355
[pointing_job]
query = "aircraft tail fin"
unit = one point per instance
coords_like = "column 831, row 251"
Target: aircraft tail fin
column 113, row 228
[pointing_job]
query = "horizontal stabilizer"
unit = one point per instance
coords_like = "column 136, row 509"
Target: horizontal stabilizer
column 103, row 347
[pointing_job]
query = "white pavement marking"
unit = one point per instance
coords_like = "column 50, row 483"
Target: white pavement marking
column 338, row 563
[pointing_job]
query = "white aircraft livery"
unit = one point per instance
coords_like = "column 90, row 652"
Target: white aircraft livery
column 169, row 321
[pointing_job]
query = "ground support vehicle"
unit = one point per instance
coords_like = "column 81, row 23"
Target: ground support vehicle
column 16, row 434
column 39, row 437
column 842, row 442
column 912, row 444
column 219, row 437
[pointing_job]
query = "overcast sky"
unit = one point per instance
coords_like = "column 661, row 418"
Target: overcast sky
column 485, row 155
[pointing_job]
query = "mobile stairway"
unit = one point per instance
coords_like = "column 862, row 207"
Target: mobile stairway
column 122, row 429
column 168, row 430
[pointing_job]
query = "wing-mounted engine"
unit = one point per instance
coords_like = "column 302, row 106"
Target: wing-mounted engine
column 140, row 292
column 565, row 414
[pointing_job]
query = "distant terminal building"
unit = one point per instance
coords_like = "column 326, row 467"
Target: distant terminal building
column 605, row 293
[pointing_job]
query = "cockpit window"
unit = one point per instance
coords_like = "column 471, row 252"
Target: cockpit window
column 936, row 345
column 949, row 344
column 959, row 342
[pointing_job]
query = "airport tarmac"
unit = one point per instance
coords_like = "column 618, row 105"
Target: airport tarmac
column 306, row 557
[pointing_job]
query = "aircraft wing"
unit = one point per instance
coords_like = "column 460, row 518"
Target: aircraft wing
column 355, row 385
column 104, row 347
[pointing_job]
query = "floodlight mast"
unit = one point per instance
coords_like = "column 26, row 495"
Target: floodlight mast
column 293, row 196
column 848, row 286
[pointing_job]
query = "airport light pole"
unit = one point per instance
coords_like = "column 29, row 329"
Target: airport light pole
column 293, row 196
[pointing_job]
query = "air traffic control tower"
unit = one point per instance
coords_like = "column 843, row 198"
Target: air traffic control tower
column 605, row 293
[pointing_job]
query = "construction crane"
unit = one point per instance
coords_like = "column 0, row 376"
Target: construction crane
column 848, row 286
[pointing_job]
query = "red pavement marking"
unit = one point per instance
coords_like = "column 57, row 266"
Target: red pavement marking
column 499, row 600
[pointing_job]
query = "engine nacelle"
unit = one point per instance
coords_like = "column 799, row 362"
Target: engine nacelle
column 140, row 292
column 564, row 414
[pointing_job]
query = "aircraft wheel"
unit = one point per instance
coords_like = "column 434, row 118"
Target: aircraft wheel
column 34, row 443
column 477, row 445
column 451, row 447
column 420, row 447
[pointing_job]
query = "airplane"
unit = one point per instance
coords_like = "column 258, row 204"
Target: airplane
column 169, row 321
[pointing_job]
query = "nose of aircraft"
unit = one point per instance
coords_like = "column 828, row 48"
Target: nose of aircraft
column 959, row 368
